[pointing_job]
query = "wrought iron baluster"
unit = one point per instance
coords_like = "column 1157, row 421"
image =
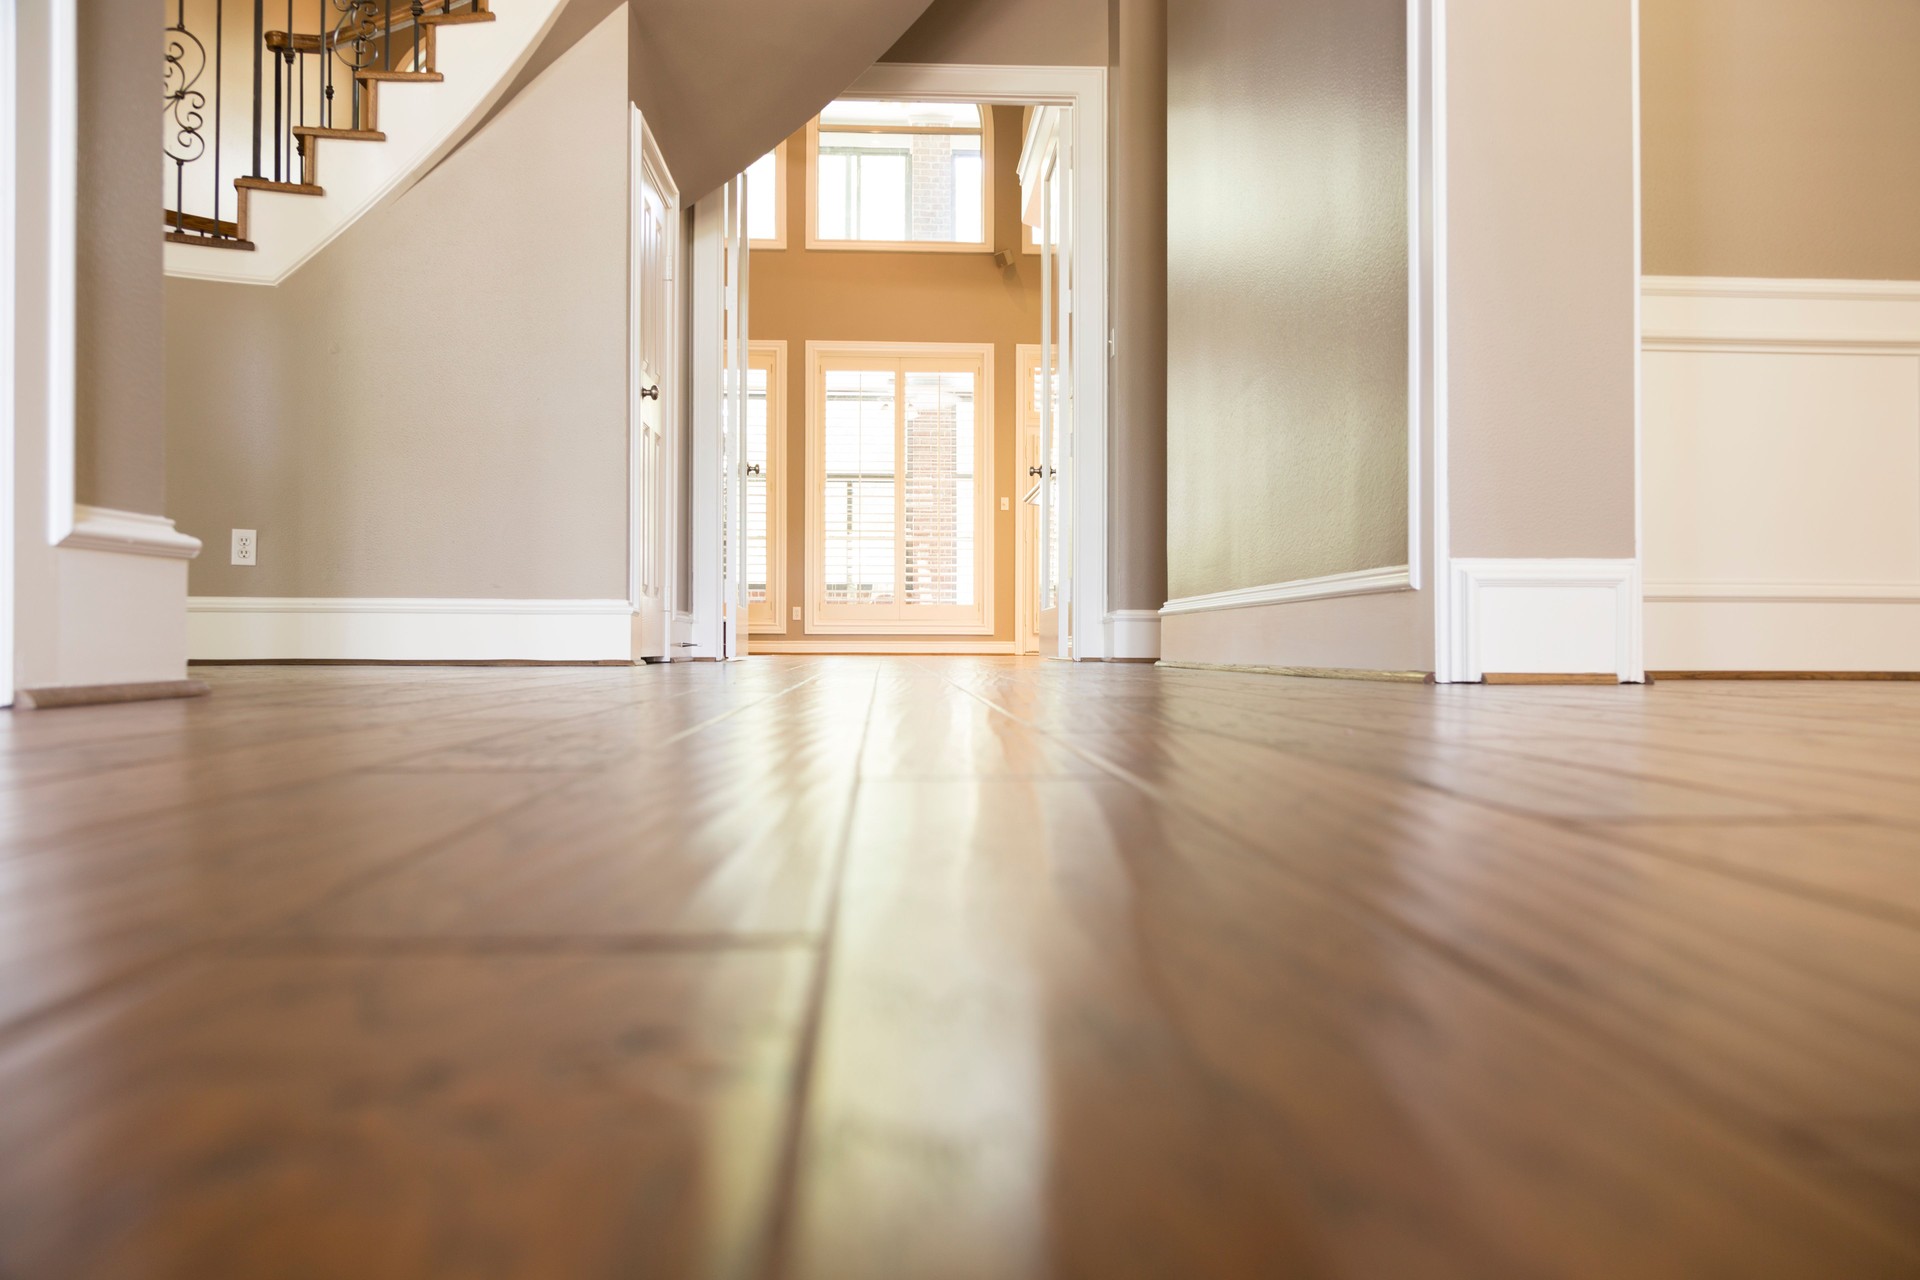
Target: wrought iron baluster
column 219, row 98
column 185, row 63
column 259, row 49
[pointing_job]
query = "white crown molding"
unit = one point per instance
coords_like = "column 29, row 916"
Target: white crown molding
column 129, row 533
column 390, row 629
column 1360, row 583
column 1551, row 617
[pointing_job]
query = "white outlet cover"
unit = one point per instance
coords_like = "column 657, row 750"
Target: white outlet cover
column 246, row 546
column 796, row 613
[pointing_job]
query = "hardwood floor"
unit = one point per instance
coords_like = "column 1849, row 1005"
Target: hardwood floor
column 827, row 969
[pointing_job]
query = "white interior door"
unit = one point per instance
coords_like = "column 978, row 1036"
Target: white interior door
column 1046, row 202
column 652, row 310
column 733, row 420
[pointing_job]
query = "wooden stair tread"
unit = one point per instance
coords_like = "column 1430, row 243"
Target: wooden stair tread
column 201, row 223
column 454, row 19
column 268, row 184
column 180, row 237
column 425, row 77
column 350, row 135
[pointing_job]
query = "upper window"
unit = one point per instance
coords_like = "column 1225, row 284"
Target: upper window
column 901, row 175
column 767, row 200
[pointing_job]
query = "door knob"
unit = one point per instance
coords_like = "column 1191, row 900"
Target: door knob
column 650, row 393
column 753, row 468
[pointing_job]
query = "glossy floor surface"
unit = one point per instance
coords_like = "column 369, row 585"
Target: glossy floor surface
column 854, row 968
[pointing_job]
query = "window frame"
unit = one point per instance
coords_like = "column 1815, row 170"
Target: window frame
column 909, row 620
column 770, row 617
column 779, row 241
column 984, row 245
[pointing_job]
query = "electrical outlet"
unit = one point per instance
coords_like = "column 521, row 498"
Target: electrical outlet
column 246, row 546
column 796, row 613
column 1006, row 504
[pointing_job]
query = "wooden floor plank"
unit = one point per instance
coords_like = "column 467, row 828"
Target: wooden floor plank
column 838, row 967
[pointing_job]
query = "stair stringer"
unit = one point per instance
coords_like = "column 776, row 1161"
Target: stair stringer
column 422, row 121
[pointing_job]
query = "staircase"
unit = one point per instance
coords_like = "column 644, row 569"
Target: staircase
column 256, row 89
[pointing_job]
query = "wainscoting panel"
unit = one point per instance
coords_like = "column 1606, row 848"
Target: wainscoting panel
column 248, row 628
column 1781, row 456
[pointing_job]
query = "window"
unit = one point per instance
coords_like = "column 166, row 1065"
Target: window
column 901, row 175
column 767, row 200
column 765, row 568
column 899, row 504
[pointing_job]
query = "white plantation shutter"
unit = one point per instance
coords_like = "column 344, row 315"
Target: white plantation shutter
column 860, row 486
column 758, row 530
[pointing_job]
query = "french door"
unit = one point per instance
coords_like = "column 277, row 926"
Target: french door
column 1046, row 204
column 900, row 489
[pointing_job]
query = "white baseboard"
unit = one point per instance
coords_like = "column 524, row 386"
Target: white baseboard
column 1361, row 583
column 266, row 628
column 1133, row 635
column 1546, row 617
column 876, row 645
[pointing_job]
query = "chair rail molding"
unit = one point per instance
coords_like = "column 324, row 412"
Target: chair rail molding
column 129, row 532
column 1782, row 474
column 397, row 629
column 1546, row 617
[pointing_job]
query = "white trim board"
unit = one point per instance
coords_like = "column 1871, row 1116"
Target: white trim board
column 9, row 187
column 1547, row 617
column 130, row 533
column 1361, row 582
column 265, row 628
column 1133, row 635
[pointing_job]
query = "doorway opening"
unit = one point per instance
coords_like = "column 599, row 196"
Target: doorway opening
column 915, row 258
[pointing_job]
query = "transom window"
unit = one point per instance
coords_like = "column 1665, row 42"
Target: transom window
column 901, row 175
column 899, row 444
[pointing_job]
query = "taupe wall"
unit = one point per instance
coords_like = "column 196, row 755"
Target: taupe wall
column 1057, row 33
column 435, row 406
column 1137, row 542
column 801, row 295
column 1287, row 291
column 120, row 434
column 1542, row 278
column 1782, row 138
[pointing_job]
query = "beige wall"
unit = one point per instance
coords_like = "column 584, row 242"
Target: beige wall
column 802, row 295
column 435, row 406
column 1287, row 291
column 120, row 434
column 1542, row 278
column 1054, row 33
column 1782, row 138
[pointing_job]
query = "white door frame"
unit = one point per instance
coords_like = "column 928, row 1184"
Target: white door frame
column 1084, row 89
column 718, row 402
column 9, row 185
column 646, row 161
